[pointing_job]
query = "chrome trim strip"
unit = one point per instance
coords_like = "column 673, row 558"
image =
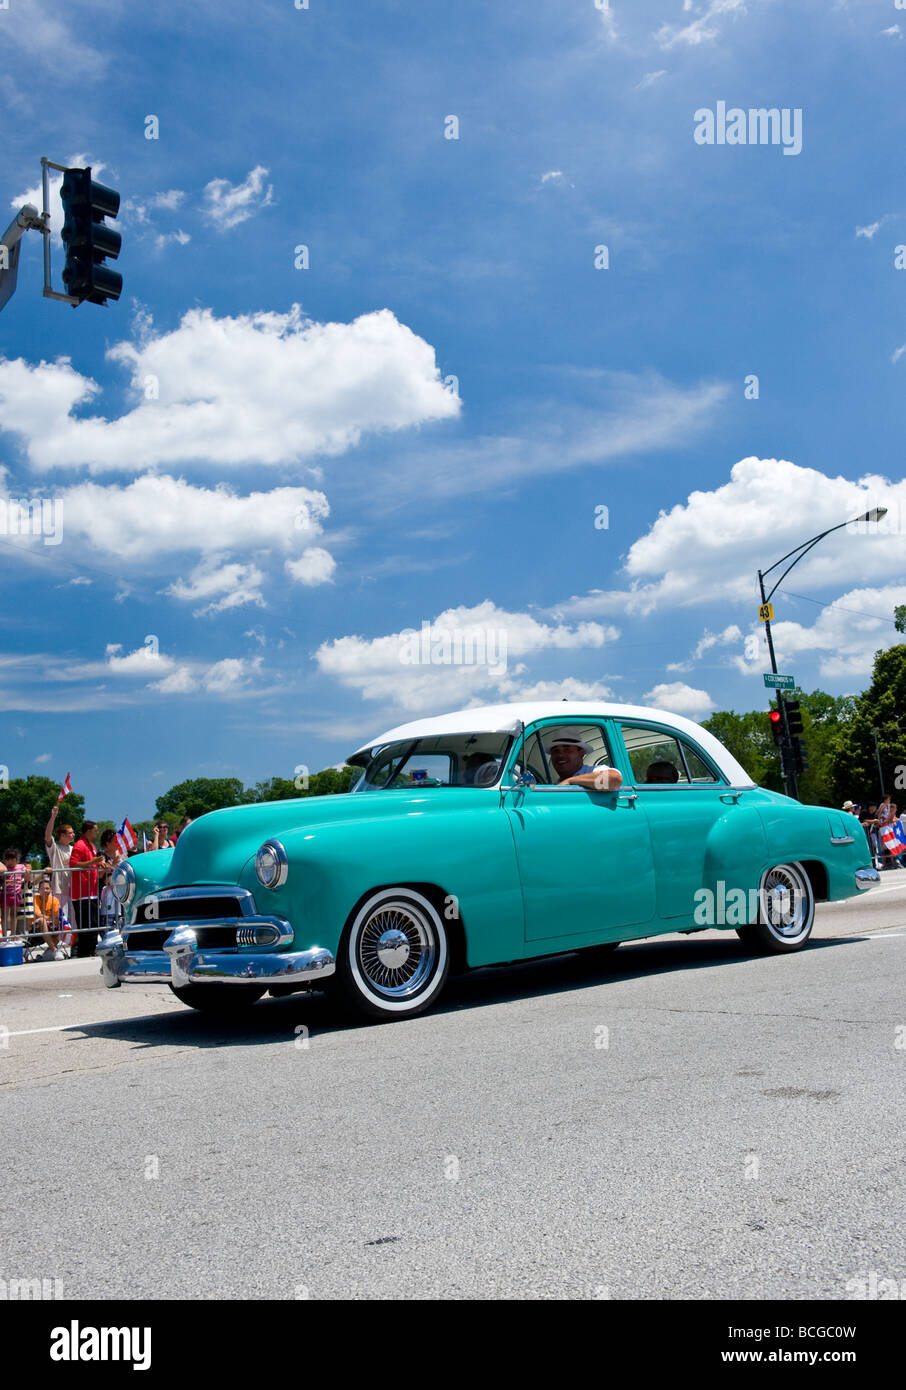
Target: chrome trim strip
column 182, row 963
column 240, row 967
column 245, row 899
column 118, row 964
column 842, row 840
column 282, row 865
column 867, row 878
column 280, row 925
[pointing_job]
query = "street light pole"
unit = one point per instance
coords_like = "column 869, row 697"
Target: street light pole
column 781, row 703
column 798, row 551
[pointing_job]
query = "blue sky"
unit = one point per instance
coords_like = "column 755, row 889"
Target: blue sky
column 266, row 473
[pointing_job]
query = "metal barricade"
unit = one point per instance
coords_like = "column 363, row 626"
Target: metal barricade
column 37, row 905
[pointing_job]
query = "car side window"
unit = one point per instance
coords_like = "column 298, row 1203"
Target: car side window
column 660, row 759
column 699, row 771
column 537, row 760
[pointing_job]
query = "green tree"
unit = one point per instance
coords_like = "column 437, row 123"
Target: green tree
column 198, row 795
column 25, row 806
column 899, row 617
column 326, row 783
column 748, row 738
column 882, row 707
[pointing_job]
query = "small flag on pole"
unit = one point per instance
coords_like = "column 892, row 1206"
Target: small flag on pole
column 65, row 789
column 125, row 837
column 893, row 838
column 144, row 841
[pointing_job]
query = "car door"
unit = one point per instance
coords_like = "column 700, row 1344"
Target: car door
column 684, row 808
column 584, row 857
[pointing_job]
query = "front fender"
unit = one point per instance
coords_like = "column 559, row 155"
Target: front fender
column 468, row 853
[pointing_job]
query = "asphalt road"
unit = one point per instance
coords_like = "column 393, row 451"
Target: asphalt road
column 683, row 1121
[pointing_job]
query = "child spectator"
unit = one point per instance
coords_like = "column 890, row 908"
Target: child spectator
column 12, row 888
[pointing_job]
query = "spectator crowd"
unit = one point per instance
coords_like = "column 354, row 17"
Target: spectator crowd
column 874, row 818
column 67, row 904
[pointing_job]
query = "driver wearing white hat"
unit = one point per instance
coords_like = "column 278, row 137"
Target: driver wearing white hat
column 566, row 751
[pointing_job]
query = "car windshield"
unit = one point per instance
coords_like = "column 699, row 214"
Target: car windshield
column 438, row 760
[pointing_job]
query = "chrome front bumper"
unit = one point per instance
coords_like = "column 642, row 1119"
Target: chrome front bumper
column 867, row 878
column 182, row 962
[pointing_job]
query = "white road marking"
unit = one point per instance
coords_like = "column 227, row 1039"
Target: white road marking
column 98, row 1023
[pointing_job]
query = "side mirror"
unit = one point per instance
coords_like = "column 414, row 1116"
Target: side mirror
column 520, row 779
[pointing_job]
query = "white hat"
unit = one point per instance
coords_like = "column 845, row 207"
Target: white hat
column 848, row 805
column 571, row 737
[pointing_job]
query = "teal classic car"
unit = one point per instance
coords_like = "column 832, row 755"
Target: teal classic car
column 477, row 838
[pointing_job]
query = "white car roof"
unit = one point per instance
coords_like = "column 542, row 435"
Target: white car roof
column 505, row 719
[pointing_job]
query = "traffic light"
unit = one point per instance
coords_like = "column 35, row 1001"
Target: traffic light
column 88, row 239
column 776, row 719
column 799, row 758
column 793, row 716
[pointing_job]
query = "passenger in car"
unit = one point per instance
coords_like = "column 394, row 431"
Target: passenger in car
column 479, row 770
column 566, row 752
column 662, row 772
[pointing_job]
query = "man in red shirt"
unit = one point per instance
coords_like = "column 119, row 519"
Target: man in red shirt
column 83, row 862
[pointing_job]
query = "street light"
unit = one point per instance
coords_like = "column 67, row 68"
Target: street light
column 875, row 514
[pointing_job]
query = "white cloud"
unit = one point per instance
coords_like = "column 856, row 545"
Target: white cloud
column 157, row 516
column 650, row 78
column 316, row 566
column 608, row 22
column 231, row 674
column 869, row 231
column 179, row 682
column 893, row 32
column 226, row 585
column 679, row 698
column 567, row 689
column 173, row 198
column 263, row 388
column 229, row 204
column 730, row 635
column 44, row 40
column 645, row 412
column 43, row 758
column 701, row 30
column 144, row 661
column 712, row 546
column 844, row 637
column 898, row 353
column 392, row 667
column 164, row 239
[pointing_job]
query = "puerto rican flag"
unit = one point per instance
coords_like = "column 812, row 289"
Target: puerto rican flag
column 125, row 837
column 65, row 789
column 893, row 838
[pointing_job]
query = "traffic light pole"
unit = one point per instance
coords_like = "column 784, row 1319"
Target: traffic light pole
column 49, row 292
column 26, row 219
column 793, row 787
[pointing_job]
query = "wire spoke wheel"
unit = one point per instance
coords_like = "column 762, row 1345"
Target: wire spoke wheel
column 396, row 950
column 786, row 910
column 783, row 905
column 396, row 956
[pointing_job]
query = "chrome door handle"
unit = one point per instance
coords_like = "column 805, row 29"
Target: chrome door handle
column 731, row 797
column 631, row 797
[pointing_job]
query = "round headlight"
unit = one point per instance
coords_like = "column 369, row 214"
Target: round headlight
column 271, row 864
column 122, row 883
